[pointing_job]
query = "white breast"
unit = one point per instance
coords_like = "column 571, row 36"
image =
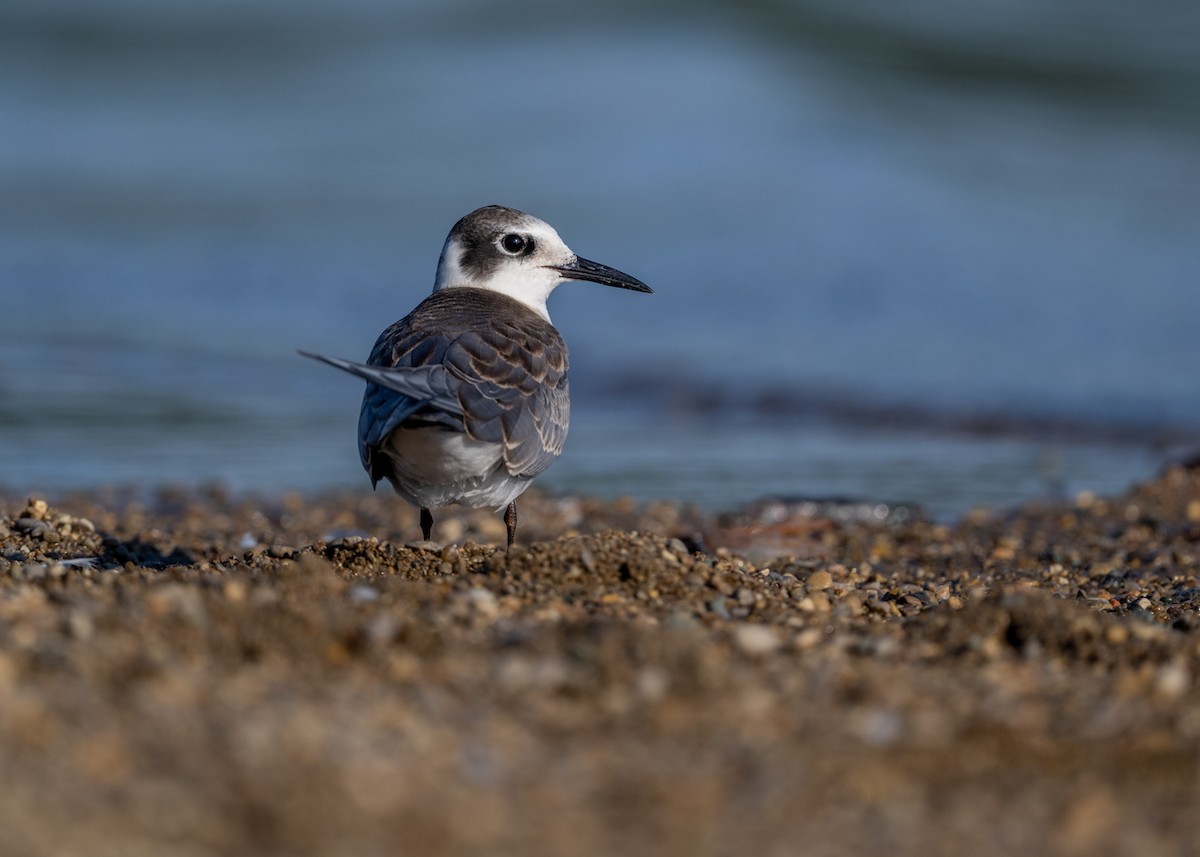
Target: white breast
column 435, row 467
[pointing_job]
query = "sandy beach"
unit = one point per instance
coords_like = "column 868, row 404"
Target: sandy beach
column 194, row 673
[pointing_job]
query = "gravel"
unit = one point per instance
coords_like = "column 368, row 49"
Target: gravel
column 193, row 672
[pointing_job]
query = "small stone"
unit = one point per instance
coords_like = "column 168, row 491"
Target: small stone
column 680, row 549
column 820, row 602
column 680, row 620
column 79, row 625
column 383, row 628
column 452, row 529
column 1172, row 681
column 483, row 600
column 880, row 726
column 882, row 608
column 1117, row 635
column 819, row 580
column 652, row 683
column 31, row 526
column 756, row 640
column 807, row 639
column 235, row 591
column 851, row 605
column 744, row 596
column 718, row 606
column 363, row 594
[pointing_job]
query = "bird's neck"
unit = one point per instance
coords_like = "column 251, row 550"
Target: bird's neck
column 520, row 288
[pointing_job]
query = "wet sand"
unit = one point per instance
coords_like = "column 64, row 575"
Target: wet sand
column 192, row 673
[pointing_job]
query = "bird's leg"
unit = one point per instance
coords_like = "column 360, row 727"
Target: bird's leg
column 426, row 523
column 510, row 521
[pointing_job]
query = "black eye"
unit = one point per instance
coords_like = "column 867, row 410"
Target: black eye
column 514, row 243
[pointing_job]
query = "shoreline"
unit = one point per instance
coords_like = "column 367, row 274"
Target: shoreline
column 295, row 674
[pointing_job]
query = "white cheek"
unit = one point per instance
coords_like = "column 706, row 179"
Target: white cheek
column 449, row 271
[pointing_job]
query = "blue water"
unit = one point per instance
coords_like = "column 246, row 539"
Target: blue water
column 947, row 209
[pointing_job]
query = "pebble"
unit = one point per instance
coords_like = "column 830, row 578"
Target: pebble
column 31, row 526
column 880, row 726
column 652, row 683
column 819, row 580
column 1117, row 635
column 681, row 620
column 382, row 628
column 851, row 605
column 718, row 606
column 483, row 600
column 807, row 639
column 1172, row 681
column 452, row 529
column 234, row 590
column 678, row 547
column 756, row 640
column 363, row 594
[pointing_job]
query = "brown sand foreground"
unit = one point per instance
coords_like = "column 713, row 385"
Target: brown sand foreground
column 231, row 676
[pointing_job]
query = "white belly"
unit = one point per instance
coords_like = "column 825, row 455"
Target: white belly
column 434, row 467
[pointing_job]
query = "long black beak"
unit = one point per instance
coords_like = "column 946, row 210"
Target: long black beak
column 582, row 269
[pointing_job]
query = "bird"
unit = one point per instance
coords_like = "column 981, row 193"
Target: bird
column 467, row 398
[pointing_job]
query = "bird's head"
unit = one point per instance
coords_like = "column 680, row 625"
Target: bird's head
column 516, row 254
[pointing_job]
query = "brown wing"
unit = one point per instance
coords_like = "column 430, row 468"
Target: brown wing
column 474, row 361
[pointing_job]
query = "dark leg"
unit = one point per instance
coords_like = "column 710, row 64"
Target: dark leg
column 510, row 521
column 426, row 523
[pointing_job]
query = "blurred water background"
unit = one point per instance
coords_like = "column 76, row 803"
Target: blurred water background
column 933, row 251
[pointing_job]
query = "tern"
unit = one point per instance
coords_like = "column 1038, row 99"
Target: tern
column 466, row 400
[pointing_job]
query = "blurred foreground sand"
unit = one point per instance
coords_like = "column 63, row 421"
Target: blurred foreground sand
column 250, row 676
